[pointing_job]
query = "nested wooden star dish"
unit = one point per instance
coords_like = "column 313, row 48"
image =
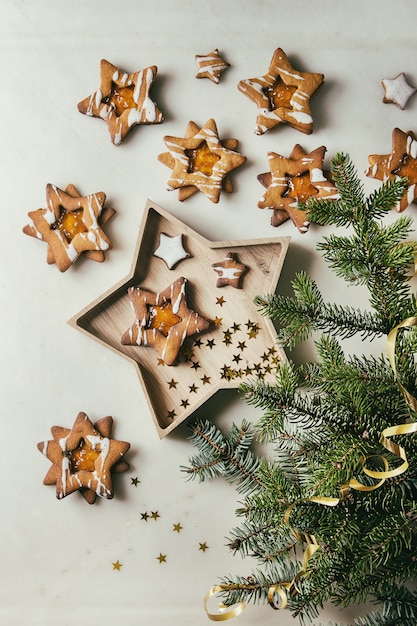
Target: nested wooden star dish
column 238, row 344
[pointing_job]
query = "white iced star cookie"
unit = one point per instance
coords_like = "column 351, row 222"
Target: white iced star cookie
column 397, row 90
column 171, row 250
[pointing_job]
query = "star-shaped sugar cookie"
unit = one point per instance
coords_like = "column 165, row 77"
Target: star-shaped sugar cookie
column 123, row 100
column 282, row 95
column 71, row 224
column 210, row 66
column 163, row 320
column 401, row 162
column 200, row 161
column 397, row 91
column 83, row 458
column 171, row 250
column 229, row 271
column 293, row 180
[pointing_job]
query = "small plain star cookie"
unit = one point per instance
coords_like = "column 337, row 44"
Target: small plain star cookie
column 123, row 100
column 211, row 66
column 229, row 271
column 171, row 250
column 397, row 90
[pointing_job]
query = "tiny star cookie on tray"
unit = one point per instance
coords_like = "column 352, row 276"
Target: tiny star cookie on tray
column 397, row 90
column 200, row 161
column 293, row 180
column 402, row 161
column 229, row 271
column 210, row 66
column 171, row 250
column 71, row 224
column 282, row 95
column 83, row 458
column 123, row 100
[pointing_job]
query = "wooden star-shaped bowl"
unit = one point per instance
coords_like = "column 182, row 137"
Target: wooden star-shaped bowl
column 239, row 344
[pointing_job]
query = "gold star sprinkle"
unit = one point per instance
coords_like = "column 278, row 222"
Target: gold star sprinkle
column 162, row 558
column 206, row 380
column 155, row 515
column 177, row 528
column 117, row 566
column 220, row 301
column 185, row 403
column 134, row 481
column 203, row 546
column 144, row 516
column 172, row 384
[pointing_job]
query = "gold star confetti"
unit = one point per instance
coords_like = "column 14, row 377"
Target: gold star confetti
column 185, row 403
column 206, row 380
column 210, row 343
column 117, row 565
column 144, row 516
column 220, row 301
column 172, row 384
column 203, row 546
column 193, row 388
column 177, row 528
column 162, row 558
column 134, row 481
column 155, row 515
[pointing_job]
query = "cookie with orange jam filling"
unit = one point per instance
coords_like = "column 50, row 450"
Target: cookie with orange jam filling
column 163, row 320
column 401, row 162
column 282, row 95
column 292, row 181
column 71, row 224
column 123, row 100
column 200, row 161
column 84, row 458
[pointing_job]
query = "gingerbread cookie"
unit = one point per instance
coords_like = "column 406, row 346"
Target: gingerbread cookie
column 401, row 162
column 229, row 271
column 210, row 66
column 200, row 161
column 282, row 95
column 83, row 458
column 292, row 181
column 171, row 250
column 71, row 224
column 163, row 320
column 123, row 100
column 397, row 91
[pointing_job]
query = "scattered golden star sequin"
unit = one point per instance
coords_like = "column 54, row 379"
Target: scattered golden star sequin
column 172, row 384
column 144, row 516
column 193, row 388
column 162, row 558
column 117, row 566
column 220, row 301
column 205, row 380
column 155, row 515
column 135, row 481
column 203, row 546
column 177, row 528
column 185, row 403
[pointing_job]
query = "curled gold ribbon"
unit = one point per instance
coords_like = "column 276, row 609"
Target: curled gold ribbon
column 282, row 590
column 226, row 612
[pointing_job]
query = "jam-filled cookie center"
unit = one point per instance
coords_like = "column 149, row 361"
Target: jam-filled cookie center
column 300, row 187
column 407, row 168
column 201, row 159
column 121, row 98
column 83, row 458
column 162, row 317
column 279, row 95
column 70, row 223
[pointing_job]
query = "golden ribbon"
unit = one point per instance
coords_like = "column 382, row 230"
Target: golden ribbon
column 283, row 589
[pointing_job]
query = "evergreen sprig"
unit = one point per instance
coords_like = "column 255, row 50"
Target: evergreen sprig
column 322, row 423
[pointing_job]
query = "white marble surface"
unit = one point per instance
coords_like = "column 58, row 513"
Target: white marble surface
column 56, row 556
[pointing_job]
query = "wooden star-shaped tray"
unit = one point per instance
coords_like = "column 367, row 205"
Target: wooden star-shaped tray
column 238, row 345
